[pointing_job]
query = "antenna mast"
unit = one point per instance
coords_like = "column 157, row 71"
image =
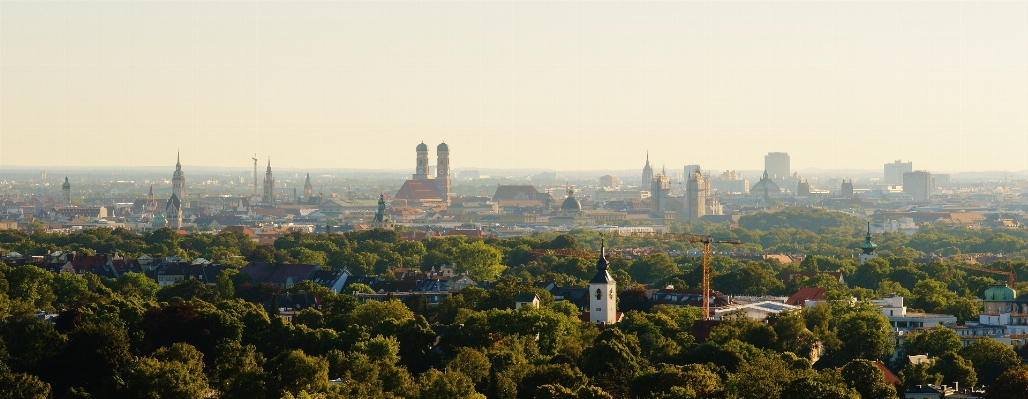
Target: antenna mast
column 254, row 176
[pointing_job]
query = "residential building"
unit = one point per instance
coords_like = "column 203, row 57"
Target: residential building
column 609, row 181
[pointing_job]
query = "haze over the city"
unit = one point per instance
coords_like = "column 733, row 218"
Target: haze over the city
column 561, row 85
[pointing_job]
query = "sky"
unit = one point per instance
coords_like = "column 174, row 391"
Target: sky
column 564, row 85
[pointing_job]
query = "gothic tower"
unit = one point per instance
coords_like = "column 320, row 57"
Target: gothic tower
column 178, row 180
column 269, row 186
column 173, row 210
column 647, row 173
column 308, row 189
column 66, row 192
column 421, row 170
column 442, row 178
column 602, row 293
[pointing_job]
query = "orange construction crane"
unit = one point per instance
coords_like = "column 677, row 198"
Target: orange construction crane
column 1010, row 275
column 704, row 239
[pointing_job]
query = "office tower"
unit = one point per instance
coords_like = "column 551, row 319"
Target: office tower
column 776, row 164
column 894, row 172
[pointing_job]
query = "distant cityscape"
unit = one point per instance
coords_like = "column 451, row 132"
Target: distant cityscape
column 438, row 194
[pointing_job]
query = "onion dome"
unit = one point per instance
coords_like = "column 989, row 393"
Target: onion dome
column 66, row 184
column 422, row 147
column 159, row 221
column 1000, row 293
column 442, row 147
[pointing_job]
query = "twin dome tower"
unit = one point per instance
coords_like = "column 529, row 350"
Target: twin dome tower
column 422, row 188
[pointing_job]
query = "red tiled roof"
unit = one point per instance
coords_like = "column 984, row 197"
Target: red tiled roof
column 240, row 229
column 512, row 193
column 418, row 190
column 805, row 294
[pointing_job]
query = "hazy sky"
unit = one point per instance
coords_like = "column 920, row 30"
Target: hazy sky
column 563, row 85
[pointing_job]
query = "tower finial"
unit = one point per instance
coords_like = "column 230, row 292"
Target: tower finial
column 178, row 158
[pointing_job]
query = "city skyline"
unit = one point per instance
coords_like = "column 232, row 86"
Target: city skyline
column 562, row 86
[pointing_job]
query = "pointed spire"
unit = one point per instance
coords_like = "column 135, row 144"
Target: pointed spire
column 178, row 159
column 269, row 164
column 601, row 264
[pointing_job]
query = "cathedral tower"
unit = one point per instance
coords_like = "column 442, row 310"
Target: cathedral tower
column 269, row 186
column 443, row 171
column 178, row 180
column 308, row 189
column 421, row 170
column 602, row 293
column 173, row 210
column 647, row 176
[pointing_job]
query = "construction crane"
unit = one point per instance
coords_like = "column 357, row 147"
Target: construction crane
column 704, row 239
column 1010, row 275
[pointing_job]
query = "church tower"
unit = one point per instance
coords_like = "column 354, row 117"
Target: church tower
column 173, row 210
column 647, row 173
column 442, row 178
column 602, row 293
column 308, row 189
column 421, row 170
column 269, row 186
column 867, row 247
column 66, row 192
column 178, row 180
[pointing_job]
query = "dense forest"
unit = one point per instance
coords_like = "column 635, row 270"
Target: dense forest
column 127, row 337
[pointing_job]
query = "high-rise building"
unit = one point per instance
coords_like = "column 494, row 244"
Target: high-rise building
column 269, row 186
column 647, row 175
column 66, row 192
column 609, row 181
column 894, row 172
column 918, row 184
column 660, row 187
column 696, row 191
column 178, row 179
column 776, row 164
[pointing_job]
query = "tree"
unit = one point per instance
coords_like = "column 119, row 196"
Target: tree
column 22, row 385
column 238, row 372
column 136, row 285
column 932, row 342
column 914, row 374
column 104, row 347
column 69, row 289
column 865, row 334
column 31, row 285
column 651, row 268
column 434, row 384
column 550, row 374
column 867, row 379
column 810, row 386
column 1012, row 384
column 175, row 372
column 294, row 371
column 954, row 369
column 480, row 261
column 931, row 295
column 990, row 359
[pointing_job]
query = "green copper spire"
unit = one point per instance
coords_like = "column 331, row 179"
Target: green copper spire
column 867, row 246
